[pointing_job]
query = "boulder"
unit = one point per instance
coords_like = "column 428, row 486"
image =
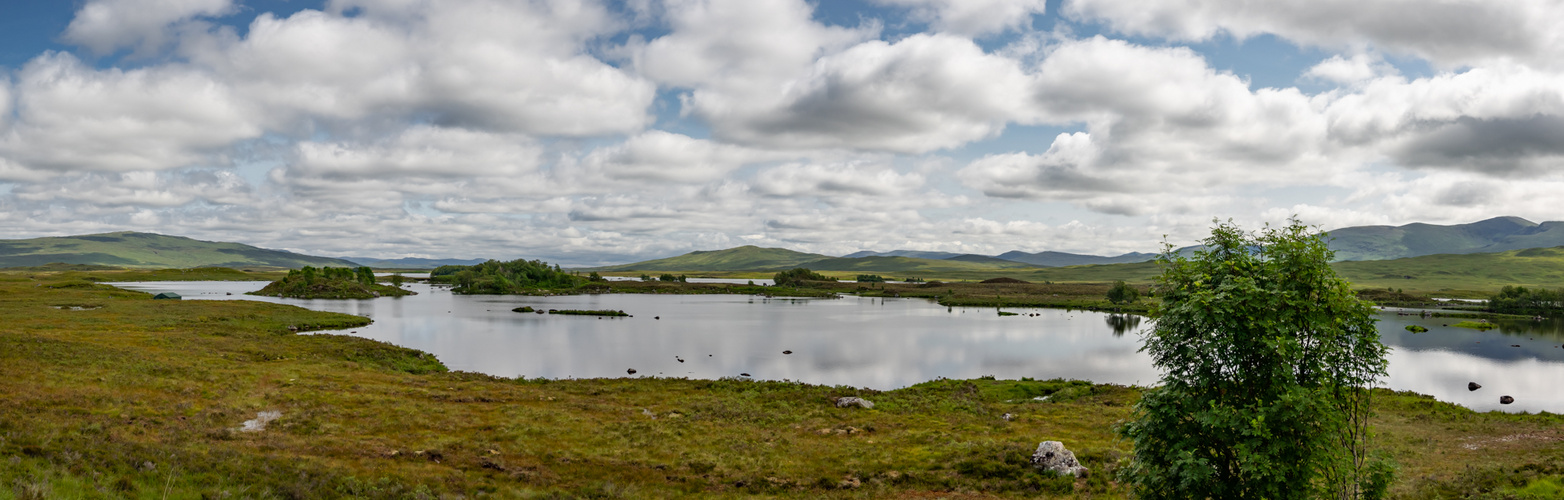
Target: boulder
column 1504, row 400
column 852, row 401
column 1472, row 386
column 1052, row 456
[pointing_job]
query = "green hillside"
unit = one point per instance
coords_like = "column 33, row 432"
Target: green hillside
column 913, row 266
column 1413, row 240
column 1487, row 272
column 146, row 250
column 744, row 258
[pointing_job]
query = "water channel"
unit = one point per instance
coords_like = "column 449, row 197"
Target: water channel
column 875, row 343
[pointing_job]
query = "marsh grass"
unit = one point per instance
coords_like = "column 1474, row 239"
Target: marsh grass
column 144, row 399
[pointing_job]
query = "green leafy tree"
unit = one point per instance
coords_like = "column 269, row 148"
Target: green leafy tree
column 1520, row 300
column 1122, row 293
column 1268, row 357
column 798, row 276
column 397, row 280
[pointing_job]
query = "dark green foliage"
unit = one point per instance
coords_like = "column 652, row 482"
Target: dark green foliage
column 1531, row 302
column 669, row 277
column 330, row 283
column 582, row 312
column 870, row 278
column 798, row 276
column 1268, row 358
column 1416, row 328
column 594, row 277
column 517, row 276
column 1122, row 293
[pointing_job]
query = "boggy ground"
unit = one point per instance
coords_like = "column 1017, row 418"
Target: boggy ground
column 105, row 393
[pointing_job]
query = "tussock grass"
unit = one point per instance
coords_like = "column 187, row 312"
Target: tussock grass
column 143, row 399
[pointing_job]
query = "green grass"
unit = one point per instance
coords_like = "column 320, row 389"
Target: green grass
column 1484, row 273
column 141, row 398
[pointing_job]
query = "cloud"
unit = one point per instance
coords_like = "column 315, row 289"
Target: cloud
column 72, row 117
column 105, row 26
column 498, row 66
column 830, row 181
column 972, row 18
column 1349, row 70
column 1503, row 120
column 1448, row 33
column 736, row 47
column 920, row 94
column 666, row 156
column 421, row 151
column 143, row 190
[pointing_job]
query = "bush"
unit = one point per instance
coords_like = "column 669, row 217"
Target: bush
column 1268, row 358
column 798, row 276
column 1122, row 293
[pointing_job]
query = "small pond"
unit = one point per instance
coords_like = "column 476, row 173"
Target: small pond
column 875, row 343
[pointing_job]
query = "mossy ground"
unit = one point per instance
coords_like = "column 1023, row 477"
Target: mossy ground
column 141, row 399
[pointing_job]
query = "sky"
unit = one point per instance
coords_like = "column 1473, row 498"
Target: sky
column 583, row 132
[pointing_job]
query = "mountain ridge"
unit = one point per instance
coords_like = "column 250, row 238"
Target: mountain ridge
column 131, row 249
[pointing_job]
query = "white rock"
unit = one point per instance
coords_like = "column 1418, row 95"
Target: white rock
column 1052, row 456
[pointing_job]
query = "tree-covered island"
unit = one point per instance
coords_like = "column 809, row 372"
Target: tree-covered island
column 330, row 283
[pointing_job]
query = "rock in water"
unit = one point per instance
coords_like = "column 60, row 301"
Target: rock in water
column 852, row 401
column 1052, row 456
column 1472, row 386
column 1504, row 400
column 630, row 371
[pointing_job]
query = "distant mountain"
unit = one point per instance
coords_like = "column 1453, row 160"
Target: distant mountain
column 1061, row 259
column 1412, row 240
column 984, row 259
column 147, row 250
column 411, row 262
column 916, row 254
column 744, row 258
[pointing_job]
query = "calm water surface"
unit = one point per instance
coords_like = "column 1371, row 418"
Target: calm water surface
column 872, row 342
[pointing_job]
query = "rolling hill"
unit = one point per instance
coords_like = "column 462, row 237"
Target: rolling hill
column 1062, row 259
column 744, row 258
column 411, row 262
column 1412, row 240
column 147, row 250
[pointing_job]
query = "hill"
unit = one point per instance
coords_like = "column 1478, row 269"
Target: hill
column 910, row 266
column 1487, row 272
column 1412, row 240
column 1062, row 259
column 744, row 258
column 916, row 254
column 147, row 250
column 411, row 262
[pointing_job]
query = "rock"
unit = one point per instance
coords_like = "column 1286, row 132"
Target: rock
column 630, row 371
column 787, row 352
column 1008, row 417
column 1052, row 456
column 743, row 374
column 1504, row 400
column 852, row 401
column 1472, row 386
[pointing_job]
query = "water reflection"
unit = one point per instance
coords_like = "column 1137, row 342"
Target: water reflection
column 879, row 343
column 1121, row 323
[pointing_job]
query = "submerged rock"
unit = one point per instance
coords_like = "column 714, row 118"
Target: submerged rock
column 1504, row 400
column 1472, row 386
column 852, row 401
column 1053, row 456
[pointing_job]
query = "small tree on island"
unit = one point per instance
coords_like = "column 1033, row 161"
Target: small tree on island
column 797, row 276
column 1123, row 293
column 1269, row 359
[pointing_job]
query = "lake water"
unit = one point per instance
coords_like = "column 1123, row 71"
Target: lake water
column 875, row 343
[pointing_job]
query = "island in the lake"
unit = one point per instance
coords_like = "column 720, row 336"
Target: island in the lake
column 331, row 283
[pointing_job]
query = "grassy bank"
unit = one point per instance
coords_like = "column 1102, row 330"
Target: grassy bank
column 124, row 396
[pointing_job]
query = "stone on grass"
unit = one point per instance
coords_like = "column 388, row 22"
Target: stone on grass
column 1052, row 456
column 852, row 401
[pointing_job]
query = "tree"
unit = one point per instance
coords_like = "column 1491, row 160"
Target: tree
column 1122, row 293
column 1269, row 358
column 798, row 276
column 397, row 280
